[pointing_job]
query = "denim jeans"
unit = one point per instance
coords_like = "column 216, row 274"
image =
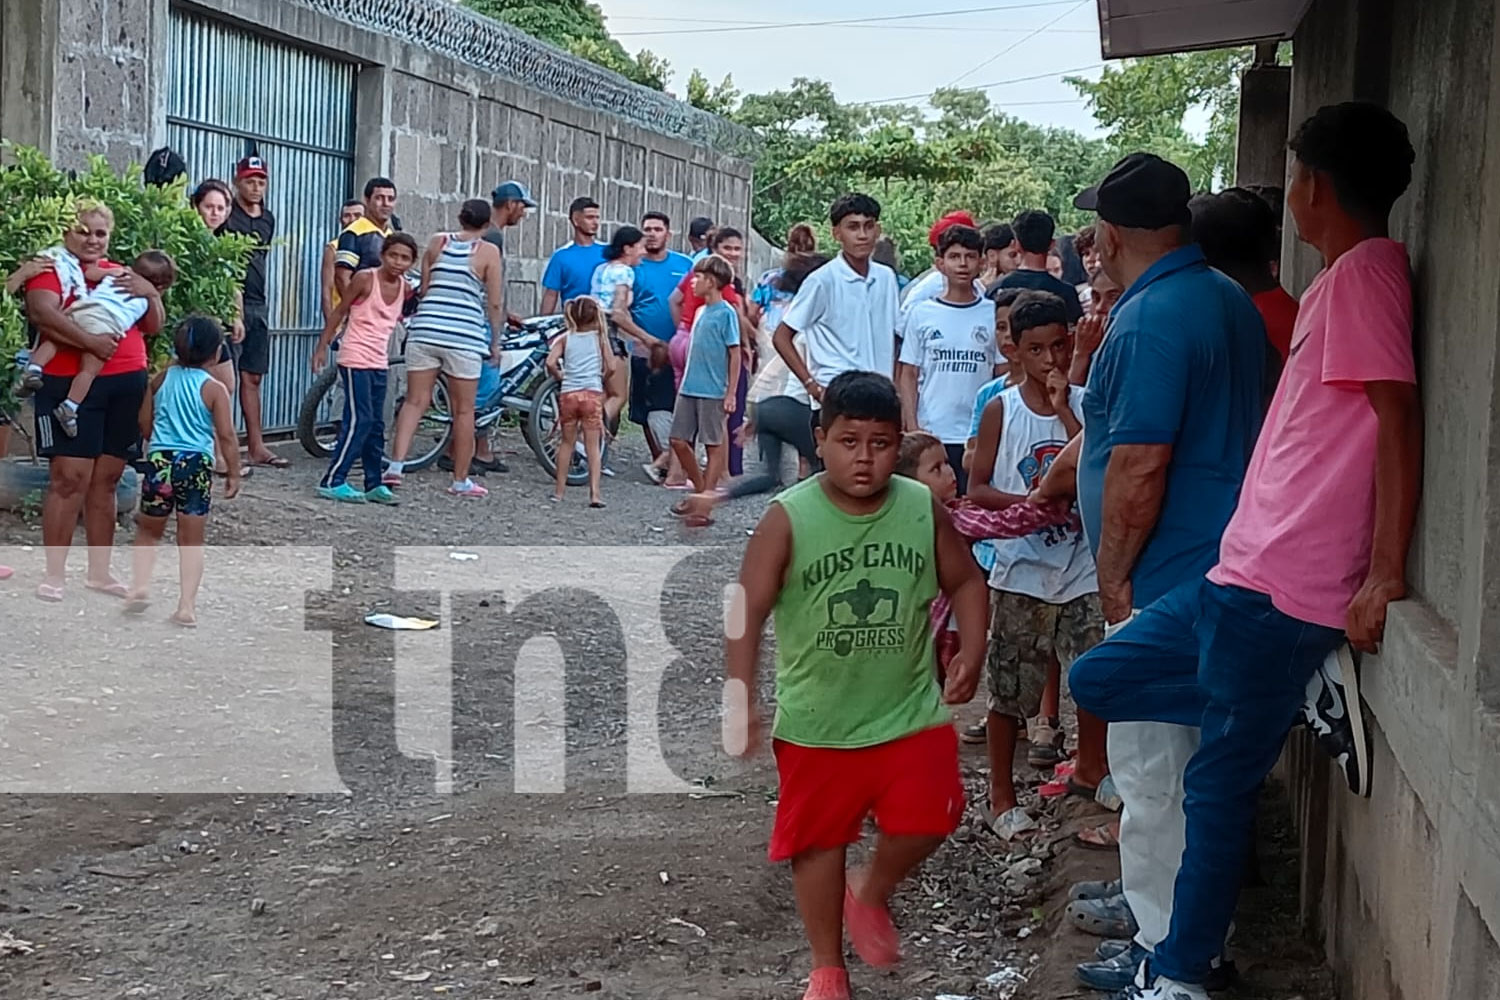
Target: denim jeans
column 1225, row 660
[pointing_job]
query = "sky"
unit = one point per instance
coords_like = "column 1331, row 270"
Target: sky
column 984, row 44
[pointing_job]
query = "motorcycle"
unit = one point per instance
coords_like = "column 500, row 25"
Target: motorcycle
column 519, row 386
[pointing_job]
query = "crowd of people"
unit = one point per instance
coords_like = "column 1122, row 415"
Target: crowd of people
column 1124, row 457
column 1201, row 559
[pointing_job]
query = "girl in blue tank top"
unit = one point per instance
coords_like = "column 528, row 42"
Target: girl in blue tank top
column 185, row 415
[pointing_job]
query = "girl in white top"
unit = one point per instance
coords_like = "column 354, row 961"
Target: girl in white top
column 581, row 359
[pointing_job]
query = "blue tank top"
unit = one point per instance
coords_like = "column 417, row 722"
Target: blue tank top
column 183, row 422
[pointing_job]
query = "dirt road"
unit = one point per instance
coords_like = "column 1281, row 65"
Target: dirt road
column 423, row 866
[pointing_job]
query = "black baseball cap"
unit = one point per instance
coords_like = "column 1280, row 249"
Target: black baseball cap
column 1142, row 191
column 513, row 191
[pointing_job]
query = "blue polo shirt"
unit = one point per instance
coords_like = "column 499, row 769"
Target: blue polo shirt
column 655, row 281
column 570, row 271
column 1181, row 364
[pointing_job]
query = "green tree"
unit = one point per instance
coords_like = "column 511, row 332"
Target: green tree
column 721, row 99
column 577, row 26
column 1143, row 104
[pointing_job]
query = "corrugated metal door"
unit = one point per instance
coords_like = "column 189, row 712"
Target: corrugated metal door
column 227, row 87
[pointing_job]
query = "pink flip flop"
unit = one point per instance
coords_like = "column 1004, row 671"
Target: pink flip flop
column 47, row 592
column 6, row 572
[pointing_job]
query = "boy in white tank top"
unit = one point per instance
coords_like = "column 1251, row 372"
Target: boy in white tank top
column 1045, row 602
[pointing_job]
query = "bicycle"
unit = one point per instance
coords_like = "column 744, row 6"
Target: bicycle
column 524, row 390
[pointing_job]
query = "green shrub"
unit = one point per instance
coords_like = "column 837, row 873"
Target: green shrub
column 36, row 208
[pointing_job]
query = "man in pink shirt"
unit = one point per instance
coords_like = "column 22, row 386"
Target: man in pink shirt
column 1316, row 548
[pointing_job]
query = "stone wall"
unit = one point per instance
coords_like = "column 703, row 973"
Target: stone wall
column 1405, row 888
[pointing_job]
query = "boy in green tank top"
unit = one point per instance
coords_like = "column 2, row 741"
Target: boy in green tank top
column 849, row 561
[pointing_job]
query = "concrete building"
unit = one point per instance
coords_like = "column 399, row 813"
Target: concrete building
column 1404, row 889
column 445, row 103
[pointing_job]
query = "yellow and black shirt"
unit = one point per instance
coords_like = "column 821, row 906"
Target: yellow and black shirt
column 359, row 245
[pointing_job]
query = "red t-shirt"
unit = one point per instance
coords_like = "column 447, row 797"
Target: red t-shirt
column 129, row 356
column 1279, row 311
column 691, row 303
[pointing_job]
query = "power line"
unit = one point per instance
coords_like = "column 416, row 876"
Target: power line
column 965, row 29
column 984, row 86
column 1020, row 41
column 774, row 26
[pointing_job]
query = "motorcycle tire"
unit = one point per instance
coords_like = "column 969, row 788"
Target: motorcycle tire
column 540, row 432
column 307, row 417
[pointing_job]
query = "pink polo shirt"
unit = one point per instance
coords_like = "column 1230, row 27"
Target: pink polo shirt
column 1302, row 531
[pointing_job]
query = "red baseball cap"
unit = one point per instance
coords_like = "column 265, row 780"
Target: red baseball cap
column 948, row 222
column 251, row 166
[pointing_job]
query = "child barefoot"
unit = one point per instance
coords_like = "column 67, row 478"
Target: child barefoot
column 582, row 361
column 849, row 561
column 106, row 311
column 708, row 393
column 185, row 414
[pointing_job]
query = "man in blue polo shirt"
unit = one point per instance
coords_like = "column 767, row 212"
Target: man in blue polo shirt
column 650, row 328
column 570, row 271
column 1170, row 421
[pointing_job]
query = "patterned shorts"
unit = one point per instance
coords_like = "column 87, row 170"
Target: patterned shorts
column 1026, row 636
column 177, row 480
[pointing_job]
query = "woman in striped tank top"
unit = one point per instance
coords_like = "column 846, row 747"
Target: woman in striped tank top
column 455, row 330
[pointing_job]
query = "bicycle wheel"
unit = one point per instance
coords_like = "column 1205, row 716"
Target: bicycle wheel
column 321, row 415
column 542, row 433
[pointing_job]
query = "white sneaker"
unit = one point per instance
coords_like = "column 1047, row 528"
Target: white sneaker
column 1167, row 989
column 1162, row 989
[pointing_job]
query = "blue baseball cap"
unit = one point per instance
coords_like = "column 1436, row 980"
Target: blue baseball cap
column 513, row 191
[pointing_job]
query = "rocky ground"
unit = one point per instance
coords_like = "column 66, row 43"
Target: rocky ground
column 395, row 886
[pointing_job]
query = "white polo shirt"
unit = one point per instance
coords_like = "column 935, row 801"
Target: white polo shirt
column 849, row 320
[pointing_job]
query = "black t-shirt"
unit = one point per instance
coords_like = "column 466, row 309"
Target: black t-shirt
column 262, row 229
column 1041, row 281
column 496, row 236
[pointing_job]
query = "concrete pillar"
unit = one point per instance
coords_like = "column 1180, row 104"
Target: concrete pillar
column 372, row 135
column 1265, row 104
column 28, row 53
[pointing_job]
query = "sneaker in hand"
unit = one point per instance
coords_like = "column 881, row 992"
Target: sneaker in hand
column 1335, row 715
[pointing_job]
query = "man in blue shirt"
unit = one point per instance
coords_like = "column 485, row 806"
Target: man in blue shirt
column 570, row 271
column 1170, row 420
column 650, row 328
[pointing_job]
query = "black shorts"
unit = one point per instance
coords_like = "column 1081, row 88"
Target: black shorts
column 650, row 390
column 108, row 419
column 617, row 344
column 956, row 459
column 254, row 352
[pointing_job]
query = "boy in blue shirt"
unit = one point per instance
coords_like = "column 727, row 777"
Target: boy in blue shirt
column 707, row 395
column 570, row 270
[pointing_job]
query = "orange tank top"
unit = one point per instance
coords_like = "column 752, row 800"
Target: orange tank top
column 367, row 334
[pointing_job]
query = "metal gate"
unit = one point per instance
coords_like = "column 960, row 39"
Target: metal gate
column 229, row 87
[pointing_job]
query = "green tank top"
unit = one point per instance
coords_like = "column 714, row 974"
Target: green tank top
column 854, row 657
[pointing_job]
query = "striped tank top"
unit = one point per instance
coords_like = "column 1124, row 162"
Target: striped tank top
column 452, row 313
column 182, row 421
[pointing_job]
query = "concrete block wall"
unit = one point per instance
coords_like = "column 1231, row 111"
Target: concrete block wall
column 1405, row 888
column 103, row 84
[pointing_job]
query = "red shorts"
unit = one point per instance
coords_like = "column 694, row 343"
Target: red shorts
column 912, row 785
column 584, row 406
